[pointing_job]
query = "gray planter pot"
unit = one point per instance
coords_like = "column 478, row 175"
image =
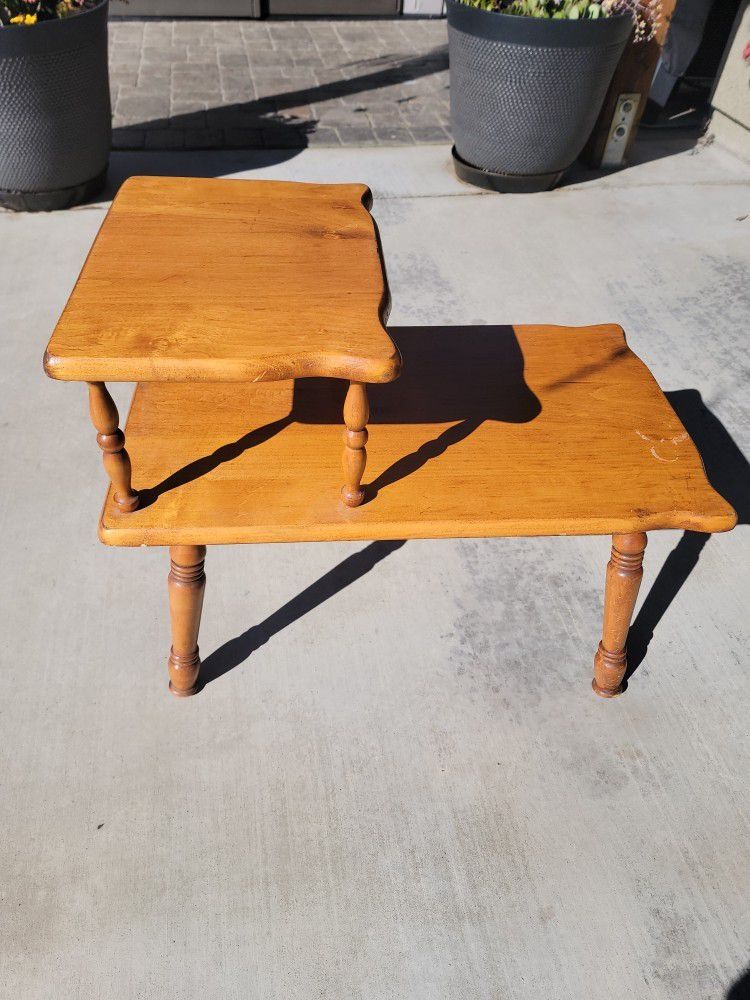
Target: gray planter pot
column 55, row 119
column 525, row 92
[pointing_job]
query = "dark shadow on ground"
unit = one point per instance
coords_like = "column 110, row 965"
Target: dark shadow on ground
column 264, row 132
column 351, row 569
column 181, row 163
column 683, row 126
column 265, row 126
column 729, row 473
column 224, row 160
column 648, row 146
column 740, row 990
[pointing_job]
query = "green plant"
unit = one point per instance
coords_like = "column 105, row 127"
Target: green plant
column 645, row 13
column 20, row 12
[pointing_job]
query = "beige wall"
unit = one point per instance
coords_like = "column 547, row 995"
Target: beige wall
column 731, row 99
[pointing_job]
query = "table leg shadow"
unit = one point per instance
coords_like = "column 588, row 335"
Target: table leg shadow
column 729, row 473
column 348, row 571
column 202, row 466
column 740, row 989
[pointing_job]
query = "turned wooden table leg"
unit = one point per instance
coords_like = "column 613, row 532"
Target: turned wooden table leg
column 624, row 574
column 187, row 582
column 111, row 440
column 356, row 415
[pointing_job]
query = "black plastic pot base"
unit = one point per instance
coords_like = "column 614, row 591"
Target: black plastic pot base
column 504, row 183
column 52, row 201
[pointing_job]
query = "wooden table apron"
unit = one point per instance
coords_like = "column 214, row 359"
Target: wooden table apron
column 252, row 316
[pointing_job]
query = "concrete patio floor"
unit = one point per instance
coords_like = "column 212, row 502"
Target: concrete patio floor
column 397, row 782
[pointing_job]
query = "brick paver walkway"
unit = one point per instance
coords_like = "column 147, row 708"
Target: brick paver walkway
column 249, row 84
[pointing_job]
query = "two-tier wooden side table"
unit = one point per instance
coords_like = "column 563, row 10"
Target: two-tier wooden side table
column 251, row 316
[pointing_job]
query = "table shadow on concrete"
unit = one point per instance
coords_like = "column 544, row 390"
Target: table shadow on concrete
column 461, row 375
column 740, row 990
column 728, row 472
column 348, row 571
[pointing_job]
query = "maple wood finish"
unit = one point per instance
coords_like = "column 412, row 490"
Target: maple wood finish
column 187, row 583
column 111, row 440
column 251, row 314
column 527, row 430
column 624, row 575
column 198, row 279
column 356, row 415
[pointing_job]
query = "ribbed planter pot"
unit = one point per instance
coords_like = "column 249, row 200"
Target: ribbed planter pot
column 525, row 92
column 55, row 120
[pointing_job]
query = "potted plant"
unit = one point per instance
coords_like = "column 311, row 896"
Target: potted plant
column 55, row 119
column 528, row 78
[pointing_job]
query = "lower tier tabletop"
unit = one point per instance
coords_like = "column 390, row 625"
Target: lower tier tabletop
column 490, row 431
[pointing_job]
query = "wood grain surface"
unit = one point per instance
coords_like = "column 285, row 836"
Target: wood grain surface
column 492, row 430
column 624, row 575
column 229, row 280
column 186, row 584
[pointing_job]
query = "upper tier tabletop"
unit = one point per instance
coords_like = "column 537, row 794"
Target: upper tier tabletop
column 491, row 430
column 195, row 279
